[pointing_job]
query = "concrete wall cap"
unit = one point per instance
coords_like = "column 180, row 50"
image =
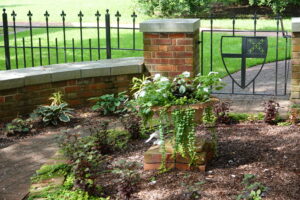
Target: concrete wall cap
column 170, row 25
column 296, row 24
column 61, row 72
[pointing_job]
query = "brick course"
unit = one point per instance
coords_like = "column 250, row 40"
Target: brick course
column 295, row 82
column 171, row 54
column 22, row 101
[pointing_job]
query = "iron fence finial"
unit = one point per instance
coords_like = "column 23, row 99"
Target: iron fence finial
column 46, row 14
column 13, row 14
column 97, row 14
column 118, row 14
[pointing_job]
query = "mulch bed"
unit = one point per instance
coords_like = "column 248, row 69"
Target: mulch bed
column 269, row 152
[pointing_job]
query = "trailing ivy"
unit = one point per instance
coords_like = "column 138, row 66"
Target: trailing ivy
column 184, row 133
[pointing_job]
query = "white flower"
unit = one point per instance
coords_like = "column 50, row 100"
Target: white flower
column 164, row 79
column 146, row 82
column 186, row 74
column 142, row 93
column 205, row 89
column 156, row 77
column 210, row 73
column 220, row 80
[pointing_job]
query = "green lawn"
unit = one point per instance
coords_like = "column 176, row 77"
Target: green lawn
column 126, row 41
column 126, row 7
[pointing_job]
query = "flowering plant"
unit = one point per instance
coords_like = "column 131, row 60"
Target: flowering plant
column 181, row 90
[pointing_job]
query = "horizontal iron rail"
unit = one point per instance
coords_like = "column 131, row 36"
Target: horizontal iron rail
column 37, row 47
column 70, row 27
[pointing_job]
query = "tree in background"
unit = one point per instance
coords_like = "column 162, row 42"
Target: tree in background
column 173, row 8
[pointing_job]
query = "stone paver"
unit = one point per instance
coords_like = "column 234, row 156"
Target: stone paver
column 19, row 162
column 244, row 101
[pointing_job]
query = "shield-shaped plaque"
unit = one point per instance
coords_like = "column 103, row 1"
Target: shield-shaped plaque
column 251, row 47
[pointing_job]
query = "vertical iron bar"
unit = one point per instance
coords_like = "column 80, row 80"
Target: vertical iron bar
column 98, row 32
column 253, row 87
column 63, row 15
column 90, row 45
column 202, row 53
column 73, row 46
column 233, row 25
column 80, row 15
column 133, row 20
column 15, row 38
column 255, row 22
column 6, row 40
column 56, row 50
column 118, row 28
column 211, row 42
column 31, row 40
column 40, row 49
column 108, row 39
column 285, row 65
column 232, row 87
column 276, row 69
column 47, row 30
column 24, row 52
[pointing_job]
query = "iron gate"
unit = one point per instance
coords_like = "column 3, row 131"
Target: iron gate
column 253, row 62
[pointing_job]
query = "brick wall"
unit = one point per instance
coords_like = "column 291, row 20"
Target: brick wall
column 295, row 87
column 22, row 101
column 171, row 54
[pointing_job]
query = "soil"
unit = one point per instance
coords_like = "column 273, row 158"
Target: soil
column 271, row 153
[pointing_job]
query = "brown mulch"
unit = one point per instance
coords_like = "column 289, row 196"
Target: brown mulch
column 269, row 152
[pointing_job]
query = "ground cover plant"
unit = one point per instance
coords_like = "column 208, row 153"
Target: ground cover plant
column 243, row 150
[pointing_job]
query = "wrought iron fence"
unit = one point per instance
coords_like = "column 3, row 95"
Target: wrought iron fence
column 38, row 51
column 211, row 60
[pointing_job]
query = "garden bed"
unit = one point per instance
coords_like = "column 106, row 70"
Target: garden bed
column 269, row 152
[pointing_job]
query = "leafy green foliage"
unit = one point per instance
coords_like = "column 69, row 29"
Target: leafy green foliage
column 133, row 124
column 277, row 6
column 253, row 190
column 271, row 111
column 184, row 133
column 53, row 114
column 209, row 117
column 175, row 7
column 66, row 191
column 221, row 110
column 182, row 90
column 18, row 126
column 50, row 171
column 58, row 111
column 85, row 160
column 110, row 103
column 129, row 178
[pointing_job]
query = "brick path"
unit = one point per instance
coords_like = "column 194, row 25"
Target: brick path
column 18, row 163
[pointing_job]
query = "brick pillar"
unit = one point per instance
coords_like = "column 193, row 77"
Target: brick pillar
column 295, row 83
column 171, row 46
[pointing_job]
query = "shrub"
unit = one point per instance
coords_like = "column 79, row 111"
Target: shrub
column 18, row 126
column 132, row 123
column 110, row 103
column 271, row 111
column 221, row 111
column 129, row 179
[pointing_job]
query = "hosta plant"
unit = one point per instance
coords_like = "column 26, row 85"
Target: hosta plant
column 110, row 103
column 18, row 126
column 56, row 112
